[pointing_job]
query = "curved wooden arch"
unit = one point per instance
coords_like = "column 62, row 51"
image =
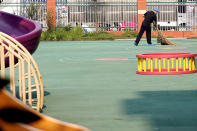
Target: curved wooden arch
column 30, row 84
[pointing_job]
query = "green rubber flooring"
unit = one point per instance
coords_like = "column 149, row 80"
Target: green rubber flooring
column 83, row 86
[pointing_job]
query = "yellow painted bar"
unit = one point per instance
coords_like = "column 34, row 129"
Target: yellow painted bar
column 148, row 63
column 184, row 62
column 164, row 63
column 151, row 65
column 159, row 64
column 190, row 64
column 139, row 64
column 193, row 63
column 177, row 64
column 180, row 62
column 168, row 64
column 144, row 64
column 156, row 66
column 172, row 62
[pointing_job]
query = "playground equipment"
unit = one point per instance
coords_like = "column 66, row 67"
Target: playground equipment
column 18, row 58
column 166, row 63
column 29, row 81
column 26, row 31
column 16, row 116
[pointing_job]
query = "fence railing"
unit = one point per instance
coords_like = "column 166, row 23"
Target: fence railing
column 113, row 15
column 175, row 16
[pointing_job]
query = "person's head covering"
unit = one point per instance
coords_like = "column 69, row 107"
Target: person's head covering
column 155, row 9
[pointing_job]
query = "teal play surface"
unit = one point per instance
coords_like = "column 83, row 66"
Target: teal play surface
column 94, row 84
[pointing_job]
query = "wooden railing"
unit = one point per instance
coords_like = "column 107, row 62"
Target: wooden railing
column 25, row 79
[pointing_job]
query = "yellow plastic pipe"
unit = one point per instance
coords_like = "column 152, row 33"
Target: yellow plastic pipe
column 168, row 64
column 159, row 64
column 177, row 64
column 180, row 62
column 139, row 64
column 151, row 64
column 190, row 64
column 164, row 63
column 144, row 64
column 193, row 63
column 184, row 64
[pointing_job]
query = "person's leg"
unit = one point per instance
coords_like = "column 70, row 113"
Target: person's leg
column 148, row 34
column 140, row 34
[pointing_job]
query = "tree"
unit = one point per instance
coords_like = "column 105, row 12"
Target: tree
column 95, row 15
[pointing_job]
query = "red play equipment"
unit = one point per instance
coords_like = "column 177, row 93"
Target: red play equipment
column 166, row 63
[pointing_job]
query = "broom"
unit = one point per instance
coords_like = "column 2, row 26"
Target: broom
column 161, row 39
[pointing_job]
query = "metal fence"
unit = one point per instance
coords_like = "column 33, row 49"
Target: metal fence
column 175, row 15
column 112, row 15
column 178, row 15
column 32, row 9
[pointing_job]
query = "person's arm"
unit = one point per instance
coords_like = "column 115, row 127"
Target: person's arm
column 155, row 21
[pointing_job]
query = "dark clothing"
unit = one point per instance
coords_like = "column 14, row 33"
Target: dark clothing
column 148, row 34
column 149, row 17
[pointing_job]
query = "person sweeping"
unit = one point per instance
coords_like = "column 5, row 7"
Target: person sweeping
column 149, row 17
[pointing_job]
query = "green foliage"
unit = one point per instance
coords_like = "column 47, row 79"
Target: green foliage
column 98, row 36
column 73, row 34
column 67, row 28
column 62, row 34
column 130, row 33
column 31, row 10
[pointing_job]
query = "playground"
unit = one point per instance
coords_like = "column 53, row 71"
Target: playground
column 97, row 85
column 94, row 84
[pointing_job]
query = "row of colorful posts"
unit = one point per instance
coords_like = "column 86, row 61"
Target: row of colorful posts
column 166, row 63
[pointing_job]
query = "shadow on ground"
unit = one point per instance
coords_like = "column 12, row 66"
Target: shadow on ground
column 34, row 94
column 167, row 110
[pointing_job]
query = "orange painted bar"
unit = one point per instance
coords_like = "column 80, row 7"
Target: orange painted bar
column 51, row 11
column 141, row 7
